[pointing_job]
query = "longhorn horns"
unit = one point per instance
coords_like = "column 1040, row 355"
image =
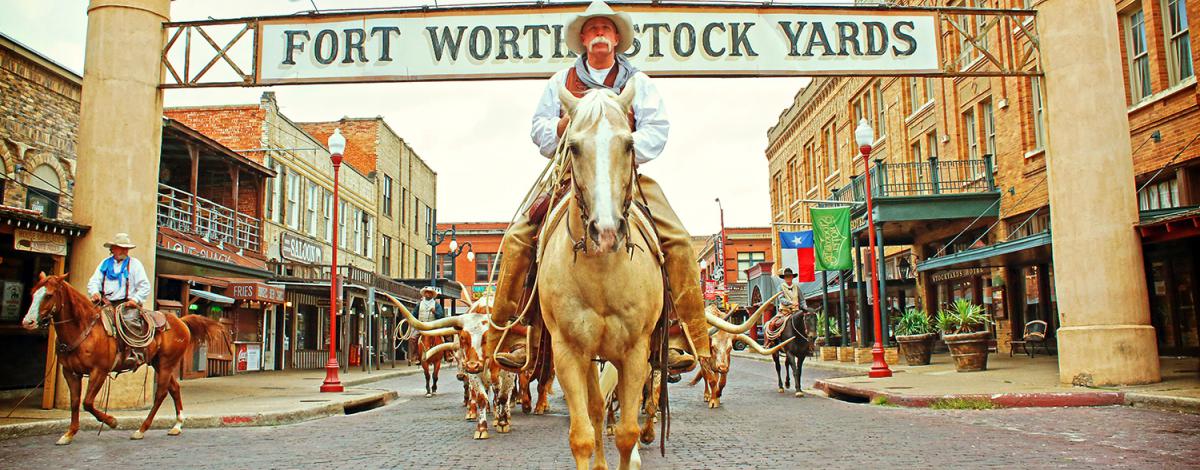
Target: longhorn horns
column 451, row 346
column 448, row 322
column 723, row 325
column 748, row 341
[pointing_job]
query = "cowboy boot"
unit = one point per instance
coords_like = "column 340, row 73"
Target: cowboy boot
column 510, row 289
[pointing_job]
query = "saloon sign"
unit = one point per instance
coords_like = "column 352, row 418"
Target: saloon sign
column 528, row 42
column 294, row 248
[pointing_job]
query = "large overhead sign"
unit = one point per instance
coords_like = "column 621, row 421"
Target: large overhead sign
column 528, row 42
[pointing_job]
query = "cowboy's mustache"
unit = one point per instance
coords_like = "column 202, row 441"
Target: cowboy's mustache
column 599, row 40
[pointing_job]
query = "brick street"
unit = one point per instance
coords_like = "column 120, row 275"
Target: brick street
column 756, row 428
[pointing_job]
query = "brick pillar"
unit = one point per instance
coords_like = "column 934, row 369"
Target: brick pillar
column 1106, row 337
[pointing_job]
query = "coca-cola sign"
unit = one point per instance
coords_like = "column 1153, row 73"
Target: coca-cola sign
column 294, row 248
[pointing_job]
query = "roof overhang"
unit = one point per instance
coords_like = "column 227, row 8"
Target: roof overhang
column 1022, row 251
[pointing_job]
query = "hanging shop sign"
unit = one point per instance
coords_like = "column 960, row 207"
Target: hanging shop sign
column 529, row 42
column 255, row 291
column 299, row 249
column 40, row 242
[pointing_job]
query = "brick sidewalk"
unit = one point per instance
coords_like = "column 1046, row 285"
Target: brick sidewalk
column 1017, row 381
column 255, row 399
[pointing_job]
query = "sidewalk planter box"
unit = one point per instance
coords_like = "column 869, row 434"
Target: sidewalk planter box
column 862, row 355
column 970, row 350
column 891, row 356
column 829, row 353
column 845, row 354
column 916, row 349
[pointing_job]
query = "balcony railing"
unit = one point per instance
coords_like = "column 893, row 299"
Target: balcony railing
column 929, row 178
column 188, row 213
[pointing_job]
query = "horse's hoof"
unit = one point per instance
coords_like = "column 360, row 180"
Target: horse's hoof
column 175, row 431
column 64, row 440
column 782, row 390
column 428, row 395
column 481, row 435
column 647, row 437
column 112, row 423
column 504, row 428
column 799, row 394
column 137, row 435
column 541, row 410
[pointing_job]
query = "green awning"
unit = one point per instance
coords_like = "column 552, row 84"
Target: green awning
column 1025, row 250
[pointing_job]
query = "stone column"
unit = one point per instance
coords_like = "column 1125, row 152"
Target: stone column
column 120, row 134
column 1106, row 337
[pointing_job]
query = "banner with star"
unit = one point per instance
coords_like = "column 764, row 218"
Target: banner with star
column 831, row 238
column 796, row 252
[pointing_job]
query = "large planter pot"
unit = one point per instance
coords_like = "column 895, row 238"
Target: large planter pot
column 969, row 350
column 916, row 349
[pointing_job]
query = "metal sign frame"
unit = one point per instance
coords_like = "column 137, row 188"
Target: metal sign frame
column 1015, row 54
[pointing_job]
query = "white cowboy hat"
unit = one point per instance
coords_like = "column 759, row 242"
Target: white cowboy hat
column 122, row 240
column 600, row 9
column 430, row 289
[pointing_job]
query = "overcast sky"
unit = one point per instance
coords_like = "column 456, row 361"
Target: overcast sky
column 476, row 134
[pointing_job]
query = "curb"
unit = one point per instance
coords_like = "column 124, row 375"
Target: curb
column 269, row 418
column 1002, row 400
column 1165, row 403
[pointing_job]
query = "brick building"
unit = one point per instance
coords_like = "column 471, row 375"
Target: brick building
column 39, row 120
column 745, row 247
column 480, row 238
column 959, row 175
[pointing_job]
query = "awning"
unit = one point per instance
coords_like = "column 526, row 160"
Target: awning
column 208, row 281
column 1025, row 250
column 211, row 297
column 1169, row 224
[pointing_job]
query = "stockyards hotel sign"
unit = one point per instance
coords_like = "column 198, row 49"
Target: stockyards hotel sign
column 528, row 42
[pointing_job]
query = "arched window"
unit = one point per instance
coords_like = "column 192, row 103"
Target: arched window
column 43, row 194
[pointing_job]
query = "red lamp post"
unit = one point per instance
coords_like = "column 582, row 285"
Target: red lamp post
column 337, row 144
column 864, row 135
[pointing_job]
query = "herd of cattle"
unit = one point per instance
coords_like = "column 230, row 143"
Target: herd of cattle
column 490, row 388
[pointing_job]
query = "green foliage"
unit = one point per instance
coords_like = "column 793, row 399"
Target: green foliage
column 962, row 317
column 914, row 321
column 962, row 404
column 882, row 400
column 826, row 321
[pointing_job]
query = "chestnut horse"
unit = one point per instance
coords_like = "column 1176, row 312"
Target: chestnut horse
column 84, row 349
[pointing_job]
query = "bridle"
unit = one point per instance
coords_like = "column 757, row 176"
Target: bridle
column 46, row 317
column 585, row 210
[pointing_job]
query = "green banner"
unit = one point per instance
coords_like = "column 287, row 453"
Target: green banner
column 831, row 238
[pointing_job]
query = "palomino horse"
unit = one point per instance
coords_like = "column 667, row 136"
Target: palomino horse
column 86, row 350
column 600, row 285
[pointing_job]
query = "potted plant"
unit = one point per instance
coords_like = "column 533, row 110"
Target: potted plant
column 961, row 327
column 829, row 338
column 915, row 334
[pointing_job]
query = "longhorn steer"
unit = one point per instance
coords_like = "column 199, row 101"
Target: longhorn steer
column 722, row 336
column 489, row 387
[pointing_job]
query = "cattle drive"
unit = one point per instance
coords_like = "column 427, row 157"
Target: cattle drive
column 722, row 336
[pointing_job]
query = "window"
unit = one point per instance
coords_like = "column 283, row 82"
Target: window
column 914, row 95
column 981, row 23
column 327, row 214
column 403, row 205
column 1139, row 57
column 483, row 263
column 972, row 136
column 272, row 187
column 292, row 209
column 416, row 226
column 916, row 151
column 989, row 128
column 446, row 266
column 310, row 208
column 747, row 260
column 342, row 224
column 387, row 195
column 1179, row 45
column 402, row 249
column 928, row 90
column 792, row 184
column 966, row 51
column 931, row 144
column 43, row 192
column 830, row 151
column 368, row 235
column 429, row 228
column 1039, row 126
column 1160, row 195
column 359, row 221
column 385, row 255
column 277, row 193
column 775, row 195
column 880, row 112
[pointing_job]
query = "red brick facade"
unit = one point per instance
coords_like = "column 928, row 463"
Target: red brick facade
column 238, row 127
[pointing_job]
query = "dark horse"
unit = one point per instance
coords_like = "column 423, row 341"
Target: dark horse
column 84, row 349
column 784, row 329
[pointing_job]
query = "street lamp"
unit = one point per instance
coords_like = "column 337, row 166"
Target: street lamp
column 456, row 250
column 864, row 135
column 337, row 144
column 721, row 250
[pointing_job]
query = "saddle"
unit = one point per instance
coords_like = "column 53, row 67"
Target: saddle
column 774, row 327
column 134, row 329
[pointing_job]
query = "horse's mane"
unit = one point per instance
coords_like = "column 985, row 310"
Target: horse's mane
column 594, row 106
column 71, row 299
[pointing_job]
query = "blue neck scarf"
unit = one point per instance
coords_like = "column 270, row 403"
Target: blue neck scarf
column 110, row 269
column 625, row 71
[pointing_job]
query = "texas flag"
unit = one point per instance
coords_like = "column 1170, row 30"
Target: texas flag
column 796, row 252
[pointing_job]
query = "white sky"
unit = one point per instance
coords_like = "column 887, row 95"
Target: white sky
column 476, row 134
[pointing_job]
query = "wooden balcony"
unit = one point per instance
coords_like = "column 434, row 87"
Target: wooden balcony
column 188, row 213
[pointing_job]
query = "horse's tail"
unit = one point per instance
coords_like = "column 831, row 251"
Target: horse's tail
column 696, row 379
column 204, row 329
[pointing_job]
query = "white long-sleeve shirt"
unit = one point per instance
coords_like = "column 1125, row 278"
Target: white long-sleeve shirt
column 139, row 285
column 649, row 114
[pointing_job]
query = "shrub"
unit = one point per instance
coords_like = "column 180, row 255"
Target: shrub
column 962, row 317
column 914, row 321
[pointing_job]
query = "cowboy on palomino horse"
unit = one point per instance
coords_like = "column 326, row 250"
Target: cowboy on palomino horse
column 120, row 283
column 599, row 36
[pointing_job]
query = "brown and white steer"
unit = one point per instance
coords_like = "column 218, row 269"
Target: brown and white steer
column 489, row 387
column 722, row 337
